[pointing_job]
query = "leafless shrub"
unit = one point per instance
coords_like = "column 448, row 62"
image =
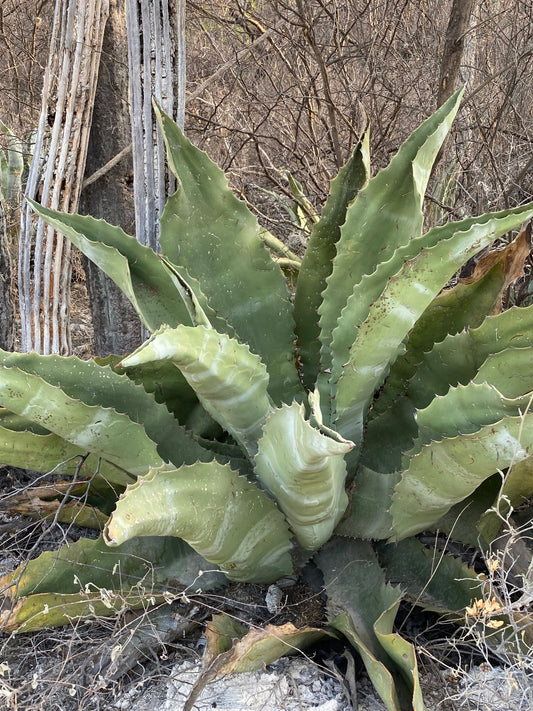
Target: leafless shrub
column 299, row 100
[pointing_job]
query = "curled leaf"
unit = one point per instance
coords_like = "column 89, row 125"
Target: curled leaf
column 229, row 380
column 305, row 471
column 223, row 516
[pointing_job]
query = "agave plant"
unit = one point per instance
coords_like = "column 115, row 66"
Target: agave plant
column 258, row 429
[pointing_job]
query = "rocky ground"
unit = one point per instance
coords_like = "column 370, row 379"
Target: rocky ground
column 292, row 684
column 91, row 666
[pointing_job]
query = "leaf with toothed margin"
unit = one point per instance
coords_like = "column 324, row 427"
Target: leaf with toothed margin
column 369, row 289
column 363, row 607
column 434, row 580
column 305, row 471
column 459, row 307
column 318, row 259
column 224, row 517
column 229, row 380
column 445, row 472
column 385, row 215
column 99, row 385
column 100, row 430
column 465, row 409
column 440, row 368
column 206, row 229
column 368, row 515
column 136, row 270
column 511, row 371
column 49, row 453
column 88, row 579
column 393, row 411
column 405, row 297
column 169, row 388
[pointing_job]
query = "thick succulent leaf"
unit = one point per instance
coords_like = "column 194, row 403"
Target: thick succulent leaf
column 397, row 426
column 377, row 670
column 371, row 286
column 462, row 306
column 461, row 523
column 466, row 409
column 318, row 259
column 511, row 371
column 430, row 578
column 87, row 579
column 134, row 268
column 100, row 430
column 98, row 385
column 200, row 312
column 305, row 471
column 441, row 368
column 368, row 515
column 402, row 302
column 89, row 564
column 446, row 472
column 206, row 229
column 355, row 585
column 224, row 517
column 170, row 388
column 384, row 216
column 10, row 421
column 393, row 412
column 49, row 453
column 229, row 380
column 402, row 653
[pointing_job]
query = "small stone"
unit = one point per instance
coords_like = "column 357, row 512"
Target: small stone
column 273, row 599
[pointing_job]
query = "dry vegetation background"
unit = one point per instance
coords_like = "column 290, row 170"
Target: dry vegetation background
column 297, row 80
column 300, row 99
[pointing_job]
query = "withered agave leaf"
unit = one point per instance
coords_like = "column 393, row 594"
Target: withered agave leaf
column 239, row 649
column 48, row 501
column 231, row 648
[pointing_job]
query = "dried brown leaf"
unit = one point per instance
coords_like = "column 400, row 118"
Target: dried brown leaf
column 512, row 259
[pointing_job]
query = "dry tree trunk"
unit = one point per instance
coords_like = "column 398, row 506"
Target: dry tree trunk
column 56, row 173
column 156, row 53
column 452, row 54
